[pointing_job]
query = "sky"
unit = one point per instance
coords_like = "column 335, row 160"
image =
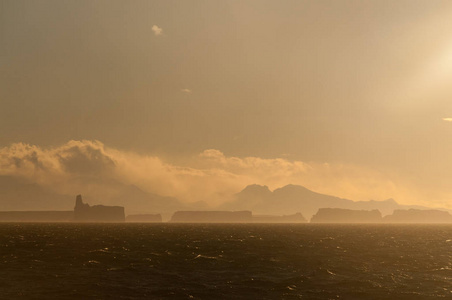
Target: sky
column 197, row 99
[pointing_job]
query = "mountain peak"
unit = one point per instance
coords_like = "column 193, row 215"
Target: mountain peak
column 255, row 189
column 292, row 188
column 391, row 201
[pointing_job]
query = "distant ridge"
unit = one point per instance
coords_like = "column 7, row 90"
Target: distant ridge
column 19, row 194
column 341, row 215
column 419, row 216
column 292, row 198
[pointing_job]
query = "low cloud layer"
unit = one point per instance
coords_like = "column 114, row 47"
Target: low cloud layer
column 89, row 167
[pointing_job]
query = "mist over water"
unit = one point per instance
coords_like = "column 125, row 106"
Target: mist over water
column 207, row 261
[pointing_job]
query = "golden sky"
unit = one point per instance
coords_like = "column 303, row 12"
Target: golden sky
column 350, row 98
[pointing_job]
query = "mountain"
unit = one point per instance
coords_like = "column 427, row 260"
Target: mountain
column 250, row 198
column 386, row 207
column 18, row 194
column 419, row 216
column 137, row 201
column 282, row 201
column 295, row 198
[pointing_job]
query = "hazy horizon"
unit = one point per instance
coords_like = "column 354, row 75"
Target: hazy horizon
column 198, row 99
column 129, row 127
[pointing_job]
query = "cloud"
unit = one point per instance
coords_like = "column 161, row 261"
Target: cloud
column 348, row 181
column 73, row 167
column 187, row 91
column 157, row 30
column 447, row 119
column 89, row 167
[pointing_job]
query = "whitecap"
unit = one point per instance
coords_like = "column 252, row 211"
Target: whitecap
column 204, row 256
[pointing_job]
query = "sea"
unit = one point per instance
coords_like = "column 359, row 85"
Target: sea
column 225, row 261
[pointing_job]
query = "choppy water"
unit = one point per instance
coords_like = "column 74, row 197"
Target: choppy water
column 184, row 261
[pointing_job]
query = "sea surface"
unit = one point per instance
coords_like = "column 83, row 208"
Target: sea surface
column 213, row 261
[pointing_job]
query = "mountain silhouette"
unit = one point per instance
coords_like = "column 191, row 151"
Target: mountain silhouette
column 296, row 198
column 137, row 201
column 18, row 194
